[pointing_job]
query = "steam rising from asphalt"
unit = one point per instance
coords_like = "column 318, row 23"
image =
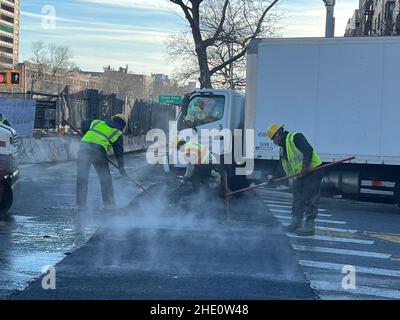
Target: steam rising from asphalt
column 186, row 237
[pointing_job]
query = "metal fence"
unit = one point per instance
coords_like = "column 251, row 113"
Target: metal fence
column 92, row 104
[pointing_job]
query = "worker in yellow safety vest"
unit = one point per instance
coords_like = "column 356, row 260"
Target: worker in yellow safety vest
column 99, row 137
column 297, row 156
column 198, row 159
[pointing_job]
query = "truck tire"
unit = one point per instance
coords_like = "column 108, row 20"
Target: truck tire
column 6, row 197
column 397, row 193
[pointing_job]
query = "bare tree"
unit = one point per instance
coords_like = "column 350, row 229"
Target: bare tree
column 50, row 60
column 40, row 60
column 217, row 36
column 59, row 59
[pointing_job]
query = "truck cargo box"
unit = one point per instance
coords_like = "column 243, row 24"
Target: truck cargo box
column 342, row 93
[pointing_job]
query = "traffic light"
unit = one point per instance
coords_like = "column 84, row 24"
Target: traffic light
column 10, row 77
column 3, row 77
column 15, row 77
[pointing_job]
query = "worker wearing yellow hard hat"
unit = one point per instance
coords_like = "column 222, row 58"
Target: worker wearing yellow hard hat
column 297, row 156
column 100, row 136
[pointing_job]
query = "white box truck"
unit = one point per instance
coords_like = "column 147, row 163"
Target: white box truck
column 342, row 93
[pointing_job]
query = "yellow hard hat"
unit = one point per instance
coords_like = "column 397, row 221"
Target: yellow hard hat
column 120, row 116
column 273, row 129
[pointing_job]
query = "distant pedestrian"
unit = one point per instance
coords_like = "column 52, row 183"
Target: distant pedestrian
column 4, row 121
column 297, row 156
column 99, row 137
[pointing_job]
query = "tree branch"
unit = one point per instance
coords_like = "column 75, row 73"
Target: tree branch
column 218, row 31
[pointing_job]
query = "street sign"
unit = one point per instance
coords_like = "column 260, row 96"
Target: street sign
column 168, row 99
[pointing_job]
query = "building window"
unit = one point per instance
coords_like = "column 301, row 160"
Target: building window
column 6, row 39
column 7, row 18
column 6, row 50
column 7, row 8
column 6, row 60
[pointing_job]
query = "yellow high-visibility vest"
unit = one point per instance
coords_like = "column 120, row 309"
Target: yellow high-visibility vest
column 101, row 133
column 294, row 162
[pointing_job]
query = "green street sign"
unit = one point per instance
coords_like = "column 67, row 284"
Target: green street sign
column 167, row 99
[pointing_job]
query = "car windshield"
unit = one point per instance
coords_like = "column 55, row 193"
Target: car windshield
column 203, row 109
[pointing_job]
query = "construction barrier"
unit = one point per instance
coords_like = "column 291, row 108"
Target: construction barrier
column 35, row 150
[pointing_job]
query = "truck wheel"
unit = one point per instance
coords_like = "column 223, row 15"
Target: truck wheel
column 6, row 197
column 397, row 193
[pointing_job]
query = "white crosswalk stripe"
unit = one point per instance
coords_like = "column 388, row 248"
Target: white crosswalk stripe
column 316, row 220
column 289, row 207
column 322, row 256
column 290, row 212
column 332, row 239
column 360, row 290
column 369, row 254
column 329, row 229
column 359, row 269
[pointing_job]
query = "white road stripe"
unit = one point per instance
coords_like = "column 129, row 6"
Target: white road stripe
column 278, row 202
column 360, row 290
column 316, row 220
column 328, row 229
column 290, row 212
column 339, row 267
column 330, row 238
column 290, row 207
column 342, row 251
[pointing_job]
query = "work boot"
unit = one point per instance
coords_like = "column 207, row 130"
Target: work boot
column 294, row 225
column 308, row 228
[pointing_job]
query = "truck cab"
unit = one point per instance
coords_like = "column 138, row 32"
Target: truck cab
column 216, row 113
column 212, row 109
column 9, row 172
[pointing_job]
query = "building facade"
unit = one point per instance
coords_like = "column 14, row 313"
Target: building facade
column 9, row 33
column 375, row 18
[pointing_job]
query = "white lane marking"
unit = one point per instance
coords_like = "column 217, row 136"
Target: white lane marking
column 316, row 220
column 290, row 207
column 328, row 229
column 73, row 195
column 278, row 202
column 360, row 290
column 290, row 212
column 330, row 238
column 342, row 251
column 359, row 269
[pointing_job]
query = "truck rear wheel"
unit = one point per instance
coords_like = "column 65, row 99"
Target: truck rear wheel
column 6, row 197
column 397, row 193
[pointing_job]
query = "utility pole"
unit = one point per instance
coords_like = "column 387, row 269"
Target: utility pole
column 330, row 19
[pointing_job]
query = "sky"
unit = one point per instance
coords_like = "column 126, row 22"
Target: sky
column 133, row 32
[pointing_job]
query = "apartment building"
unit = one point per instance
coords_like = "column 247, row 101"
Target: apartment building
column 375, row 18
column 9, row 33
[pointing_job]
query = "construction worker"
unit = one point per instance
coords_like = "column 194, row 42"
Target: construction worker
column 99, row 137
column 199, row 158
column 297, row 156
column 4, row 121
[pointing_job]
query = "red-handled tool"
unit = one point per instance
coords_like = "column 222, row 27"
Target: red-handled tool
column 328, row 165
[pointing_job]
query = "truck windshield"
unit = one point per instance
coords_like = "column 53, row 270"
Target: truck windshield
column 202, row 110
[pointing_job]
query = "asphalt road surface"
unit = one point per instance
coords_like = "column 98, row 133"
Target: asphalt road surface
column 196, row 250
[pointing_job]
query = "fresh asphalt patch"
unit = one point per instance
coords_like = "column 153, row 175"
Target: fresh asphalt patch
column 202, row 249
